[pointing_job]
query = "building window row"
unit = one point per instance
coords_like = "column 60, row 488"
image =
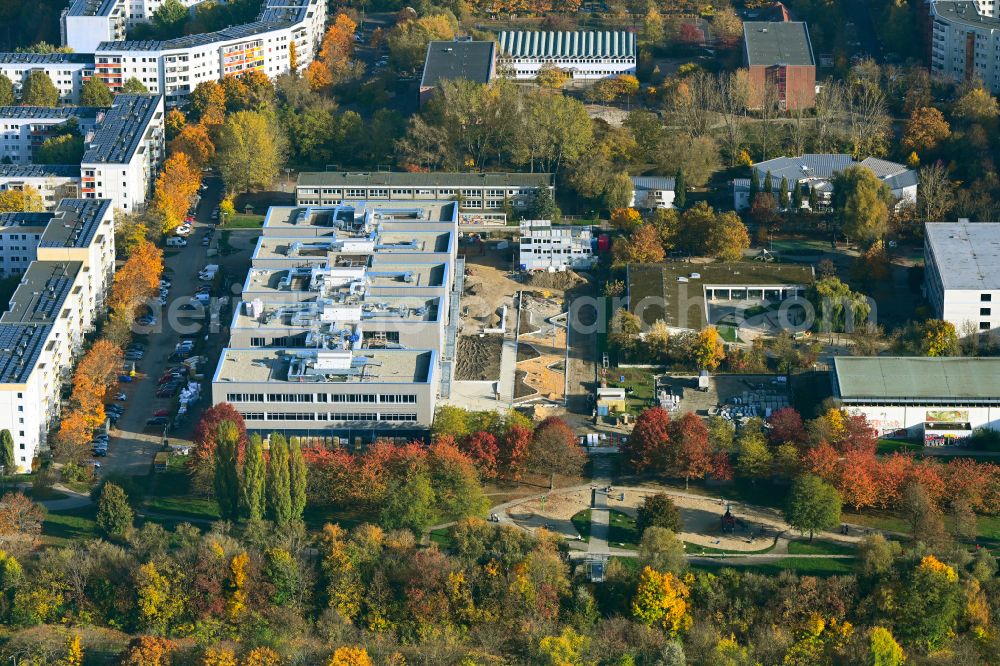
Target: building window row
column 332, row 416
column 345, row 398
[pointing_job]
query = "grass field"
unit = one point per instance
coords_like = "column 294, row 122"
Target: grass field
column 581, row 522
column 805, row 566
column 886, row 446
column 819, row 548
column 728, row 333
column 61, row 527
column 641, row 382
column 698, row 549
column 622, row 532
column 243, row 221
column 191, row 507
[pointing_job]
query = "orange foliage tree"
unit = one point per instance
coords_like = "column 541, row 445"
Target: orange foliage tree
column 148, row 651
column 337, row 50
column 175, row 189
column 194, row 142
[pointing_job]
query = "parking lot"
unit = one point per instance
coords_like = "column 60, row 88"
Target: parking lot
column 136, row 438
column 730, row 395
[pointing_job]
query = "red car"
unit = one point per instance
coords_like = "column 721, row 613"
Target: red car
column 162, row 412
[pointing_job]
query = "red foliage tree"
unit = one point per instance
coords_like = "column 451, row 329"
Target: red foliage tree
column 690, row 34
column 859, row 435
column 646, row 448
column 786, row 426
column 969, row 481
column 333, row 477
column 690, row 453
column 822, row 460
column 555, row 450
column 208, row 426
column 722, row 466
column 483, row 449
column 893, row 472
column 929, row 474
column 513, row 452
column 856, row 481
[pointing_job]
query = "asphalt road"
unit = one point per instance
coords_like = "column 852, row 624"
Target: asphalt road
column 132, row 447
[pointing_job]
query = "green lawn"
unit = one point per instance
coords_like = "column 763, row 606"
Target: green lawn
column 877, row 521
column 641, row 382
column 728, row 333
column 581, row 522
column 819, row 548
column 623, row 532
column 805, row 566
column 243, row 221
column 193, row 507
column 442, row 537
column 886, row 446
column 698, row 549
column 61, row 527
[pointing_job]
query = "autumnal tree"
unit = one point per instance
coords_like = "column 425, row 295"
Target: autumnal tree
column 293, row 58
column 218, row 656
column 646, row 447
column 938, row 338
column 884, row 650
column 753, row 457
column 158, row 602
column 483, row 449
column 74, row 652
column 925, row 129
column 728, row 237
column 689, row 455
column 350, row 656
column 194, row 141
column 226, row 467
column 727, row 26
column 408, row 39
column 20, row 522
column 37, row 89
column 977, row 105
column 658, row 511
column 554, row 449
column 25, row 200
column 708, row 350
column 148, row 651
column 862, row 203
column 856, row 480
column 252, row 481
column 95, row 92
column 318, row 76
column 208, row 427
column 262, row 656
column 114, row 515
column 250, row 151
column 812, row 505
column 174, row 123
column 928, row 605
column 626, row 219
column 565, row 649
column 6, row 91
column 642, row 247
column 515, row 445
column 337, row 50
column 279, row 491
column 786, row 426
column 551, row 77
column 661, row 600
column 208, row 103
column 176, row 186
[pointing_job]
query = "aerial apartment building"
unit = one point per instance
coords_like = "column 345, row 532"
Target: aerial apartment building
column 53, row 182
column 548, row 247
column 50, row 312
column 962, row 274
column 482, row 197
column 965, row 41
column 68, row 71
column 779, row 60
column 584, row 54
column 24, row 128
column 346, row 320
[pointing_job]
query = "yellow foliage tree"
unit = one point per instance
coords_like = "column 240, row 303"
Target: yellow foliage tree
column 338, row 47
column 708, row 350
column 293, row 57
column 566, row 649
column 350, row 656
column 26, row 200
column 74, row 652
column 238, row 581
column 318, row 75
column 174, row 123
column 661, row 601
column 219, row 657
column 626, row 219
column 175, row 188
column 262, row 656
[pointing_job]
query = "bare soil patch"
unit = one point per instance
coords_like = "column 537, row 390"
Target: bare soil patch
column 478, row 358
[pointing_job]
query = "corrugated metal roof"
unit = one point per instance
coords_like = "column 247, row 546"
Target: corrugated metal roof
column 967, row 255
column 823, row 166
column 775, row 43
column 566, row 44
column 653, row 182
column 908, row 379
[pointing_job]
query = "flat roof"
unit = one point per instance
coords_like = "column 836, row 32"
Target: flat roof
column 17, row 222
column 769, row 43
column 564, row 43
column 352, row 250
column 39, row 170
column 46, row 59
column 42, row 292
column 75, row 222
column 860, row 378
column 49, row 112
column 967, row 254
column 472, row 61
column 121, row 131
column 396, row 366
column 91, row 7
column 277, row 315
column 352, row 216
column 964, row 12
column 422, row 179
column 681, row 303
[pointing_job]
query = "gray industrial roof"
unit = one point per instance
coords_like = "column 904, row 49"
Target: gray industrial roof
column 41, row 294
column 916, row 379
column 49, row 112
column 46, row 58
column 653, row 182
column 423, row 179
column 472, row 61
column 39, row 170
column 75, row 222
column 824, row 165
column 122, row 129
column 563, row 44
column 777, row 43
column 967, row 255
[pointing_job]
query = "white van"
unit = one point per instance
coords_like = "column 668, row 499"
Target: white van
column 176, row 241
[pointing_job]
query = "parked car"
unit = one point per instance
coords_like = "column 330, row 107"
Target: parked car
column 133, row 356
column 161, row 412
column 206, row 241
column 121, row 396
column 157, row 422
column 176, row 241
column 146, row 320
column 125, row 379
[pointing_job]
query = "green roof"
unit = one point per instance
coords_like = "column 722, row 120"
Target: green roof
column 916, row 379
column 678, row 299
column 430, row 179
column 777, row 43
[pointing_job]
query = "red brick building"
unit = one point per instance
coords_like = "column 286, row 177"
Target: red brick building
column 780, row 61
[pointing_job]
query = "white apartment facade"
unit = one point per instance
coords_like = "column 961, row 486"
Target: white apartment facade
column 54, row 307
column 124, row 153
column 23, row 129
column 52, row 182
column 962, row 274
column 87, row 23
column 175, row 67
column 652, row 192
column 584, row 55
column 68, row 71
column 20, row 234
column 545, row 247
column 965, row 41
